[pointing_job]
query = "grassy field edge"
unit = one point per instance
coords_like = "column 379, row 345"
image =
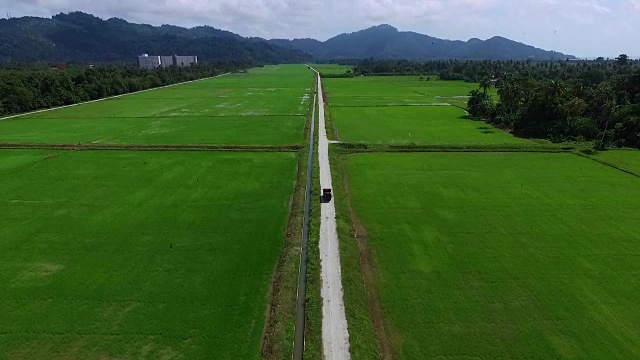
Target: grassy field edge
column 313, row 321
column 277, row 339
column 332, row 131
column 367, row 334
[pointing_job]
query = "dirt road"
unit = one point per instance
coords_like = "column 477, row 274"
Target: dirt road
column 335, row 335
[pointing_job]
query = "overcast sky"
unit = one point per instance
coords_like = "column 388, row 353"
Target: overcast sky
column 585, row 28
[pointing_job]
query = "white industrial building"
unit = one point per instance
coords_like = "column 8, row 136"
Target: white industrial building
column 184, row 60
column 151, row 62
column 166, row 61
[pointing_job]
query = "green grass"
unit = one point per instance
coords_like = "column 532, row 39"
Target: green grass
column 415, row 124
column 625, row 159
column 331, row 68
column 393, row 90
column 362, row 335
column 110, row 254
column 406, row 110
column 494, row 255
column 265, row 106
column 158, row 130
column 13, row 160
column 313, row 312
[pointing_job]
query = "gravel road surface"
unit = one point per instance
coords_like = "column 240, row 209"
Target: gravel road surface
column 335, row 334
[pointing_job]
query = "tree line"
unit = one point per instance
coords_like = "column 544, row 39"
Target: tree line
column 598, row 102
column 25, row 88
column 560, row 101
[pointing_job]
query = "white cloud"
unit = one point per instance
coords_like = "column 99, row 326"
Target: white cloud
column 634, row 5
column 592, row 6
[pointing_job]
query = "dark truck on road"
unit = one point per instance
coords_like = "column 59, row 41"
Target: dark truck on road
column 326, row 195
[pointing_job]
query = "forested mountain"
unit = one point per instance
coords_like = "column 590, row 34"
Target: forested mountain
column 386, row 42
column 80, row 37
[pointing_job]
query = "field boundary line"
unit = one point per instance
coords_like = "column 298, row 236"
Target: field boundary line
column 110, row 97
column 371, row 148
column 611, row 165
column 397, row 105
column 405, row 87
column 152, row 147
column 463, row 109
column 298, row 340
column 174, row 117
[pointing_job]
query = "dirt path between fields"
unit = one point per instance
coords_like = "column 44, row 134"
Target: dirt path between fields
column 335, row 334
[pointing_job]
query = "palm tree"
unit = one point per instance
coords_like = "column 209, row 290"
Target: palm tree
column 473, row 104
column 511, row 93
column 485, row 85
column 556, row 89
column 508, row 95
column 622, row 59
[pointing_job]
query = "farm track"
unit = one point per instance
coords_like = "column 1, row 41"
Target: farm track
column 335, row 333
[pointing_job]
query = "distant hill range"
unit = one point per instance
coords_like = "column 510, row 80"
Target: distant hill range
column 386, row 42
column 80, row 37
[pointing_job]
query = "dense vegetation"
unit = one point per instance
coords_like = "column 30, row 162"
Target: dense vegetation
column 560, row 101
column 595, row 102
column 28, row 88
column 80, row 37
column 386, row 42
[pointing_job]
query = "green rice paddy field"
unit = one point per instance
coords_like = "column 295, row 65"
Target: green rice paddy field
column 170, row 254
column 628, row 160
column 267, row 106
column 415, row 124
column 405, row 110
column 331, row 68
column 150, row 255
column 396, row 90
column 121, row 254
column 502, row 255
